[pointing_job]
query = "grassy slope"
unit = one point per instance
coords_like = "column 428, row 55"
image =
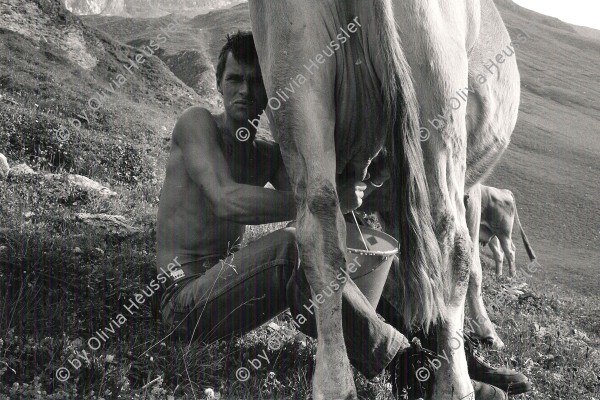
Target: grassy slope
column 54, row 297
column 552, row 164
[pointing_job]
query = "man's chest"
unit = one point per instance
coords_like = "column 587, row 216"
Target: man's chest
column 249, row 167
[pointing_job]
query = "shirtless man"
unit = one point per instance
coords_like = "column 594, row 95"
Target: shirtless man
column 214, row 186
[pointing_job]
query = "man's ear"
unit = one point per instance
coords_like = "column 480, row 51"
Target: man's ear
column 219, row 88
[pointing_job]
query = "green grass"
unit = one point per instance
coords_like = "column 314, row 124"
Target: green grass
column 61, row 281
column 54, row 298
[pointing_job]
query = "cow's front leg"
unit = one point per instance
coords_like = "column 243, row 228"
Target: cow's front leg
column 304, row 127
column 320, row 234
column 509, row 249
column 479, row 321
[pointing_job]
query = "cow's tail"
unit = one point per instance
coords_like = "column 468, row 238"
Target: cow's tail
column 423, row 285
column 528, row 248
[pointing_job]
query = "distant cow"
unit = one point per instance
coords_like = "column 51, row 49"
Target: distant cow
column 498, row 212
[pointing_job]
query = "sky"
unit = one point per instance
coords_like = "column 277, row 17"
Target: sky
column 577, row 12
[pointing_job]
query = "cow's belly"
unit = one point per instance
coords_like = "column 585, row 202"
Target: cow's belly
column 485, row 233
column 493, row 107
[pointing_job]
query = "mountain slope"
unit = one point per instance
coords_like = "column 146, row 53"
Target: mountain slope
column 145, row 8
column 65, row 76
column 192, row 53
column 552, row 164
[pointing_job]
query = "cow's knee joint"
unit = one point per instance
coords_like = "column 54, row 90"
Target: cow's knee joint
column 322, row 200
column 462, row 257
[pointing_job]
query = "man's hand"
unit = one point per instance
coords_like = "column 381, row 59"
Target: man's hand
column 351, row 196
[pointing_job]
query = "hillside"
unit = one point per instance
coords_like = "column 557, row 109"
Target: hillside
column 64, row 279
column 588, row 32
column 552, row 164
column 192, row 54
column 145, row 8
column 57, row 73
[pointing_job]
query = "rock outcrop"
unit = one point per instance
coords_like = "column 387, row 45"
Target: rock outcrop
column 78, row 182
column 83, row 184
column 116, row 224
column 4, row 168
column 20, row 170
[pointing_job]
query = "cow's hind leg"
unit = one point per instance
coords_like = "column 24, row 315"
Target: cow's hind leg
column 498, row 255
column 445, row 164
column 304, row 128
column 321, row 235
column 479, row 321
column 509, row 249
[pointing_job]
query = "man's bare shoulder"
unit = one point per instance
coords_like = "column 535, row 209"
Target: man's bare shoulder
column 195, row 124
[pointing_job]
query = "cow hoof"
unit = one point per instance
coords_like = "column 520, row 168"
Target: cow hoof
column 348, row 396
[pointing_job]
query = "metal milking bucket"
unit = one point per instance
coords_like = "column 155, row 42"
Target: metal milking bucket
column 369, row 256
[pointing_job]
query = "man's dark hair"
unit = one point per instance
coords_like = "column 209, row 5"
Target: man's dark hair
column 241, row 45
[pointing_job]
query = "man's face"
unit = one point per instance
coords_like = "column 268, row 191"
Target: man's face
column 243, row 91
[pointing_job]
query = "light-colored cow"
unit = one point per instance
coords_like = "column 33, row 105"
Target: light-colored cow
column 498, row 214
column 490, row 214
column 363, row 74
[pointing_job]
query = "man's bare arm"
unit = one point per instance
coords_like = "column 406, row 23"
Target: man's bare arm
column 196, row 135
column 350, row 194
